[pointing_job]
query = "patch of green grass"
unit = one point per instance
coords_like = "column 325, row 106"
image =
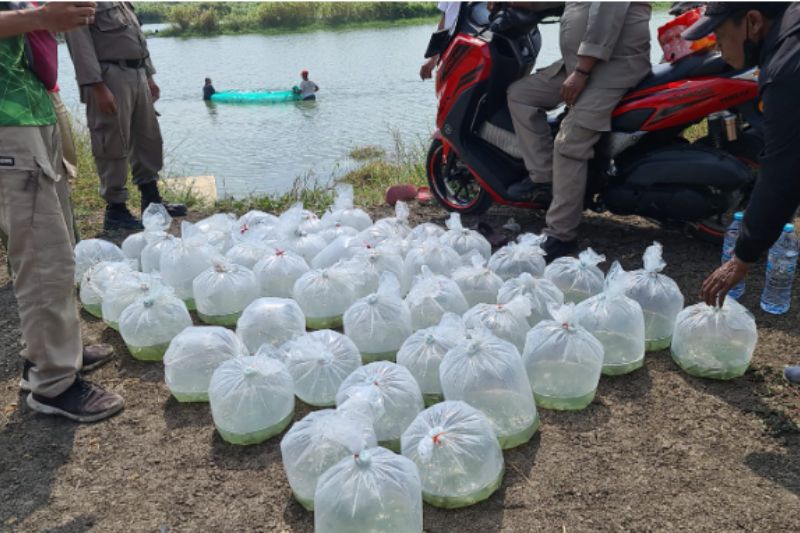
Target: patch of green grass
column 697, row 131
column 314, row 197
column 364, row 153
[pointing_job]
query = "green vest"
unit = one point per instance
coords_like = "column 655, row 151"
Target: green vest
column 23, row 99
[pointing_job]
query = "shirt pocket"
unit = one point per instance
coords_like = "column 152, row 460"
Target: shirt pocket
column 110, row 19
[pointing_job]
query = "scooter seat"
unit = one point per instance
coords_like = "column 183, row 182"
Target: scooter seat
column 693, row 66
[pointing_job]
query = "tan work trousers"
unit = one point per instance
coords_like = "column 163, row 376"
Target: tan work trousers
column 40, row 253
column 564, row 163
column 130, row 135
column 69, row 168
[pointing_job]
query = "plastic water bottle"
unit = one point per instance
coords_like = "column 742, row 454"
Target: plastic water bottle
column 728, row 246
column 777, row 294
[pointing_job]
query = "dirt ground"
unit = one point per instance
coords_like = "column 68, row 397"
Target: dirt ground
column 656, row 451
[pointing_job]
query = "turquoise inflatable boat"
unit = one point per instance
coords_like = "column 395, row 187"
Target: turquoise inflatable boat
column 255, row 97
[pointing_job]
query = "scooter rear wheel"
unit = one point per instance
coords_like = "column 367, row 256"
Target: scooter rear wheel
column 453, row 185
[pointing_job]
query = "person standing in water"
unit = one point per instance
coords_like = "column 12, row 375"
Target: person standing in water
column 307, row 87
column 208, row 89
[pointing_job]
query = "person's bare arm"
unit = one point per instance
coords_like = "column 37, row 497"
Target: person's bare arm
column 53, row 16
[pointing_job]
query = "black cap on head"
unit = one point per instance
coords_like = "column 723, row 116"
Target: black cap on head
column 718, row 12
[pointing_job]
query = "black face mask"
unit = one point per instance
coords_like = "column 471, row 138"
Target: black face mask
column 751, row 51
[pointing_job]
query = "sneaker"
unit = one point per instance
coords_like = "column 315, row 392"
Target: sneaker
column 83, row 401
column 792, row 374
column 118, row 217
column 555, row 248
column 151, row 195
column 94, row 356
column 528, row 191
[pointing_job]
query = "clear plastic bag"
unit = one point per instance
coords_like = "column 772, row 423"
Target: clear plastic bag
column 278, row 271
column 457, row 454
column 324, row 295
column 272, row 321
column 317, row 442
column 385, row 258
column 477, row 282
column 385, row 393
column 218, row 229
column 297, row 231
column 563, row 361
column 342, row 248
column 487, row 373
column 132, row 247
column 523, row 256
column 254, row 226
column 540, row 292
column 252, row 399
column 149, row 324
column 89, row 252
column 248, row 253
column 423, row 232
column 579, row 278
column 371, row 491
column 342, row 212
column 617, row 322
column 319, row 362
column 124, row 292
column 331, row 233
column 379, row 323
column 395, row 227
column 507, row 321
column 156, row 218
column 464, row 240
column 423, row 351
column 437, row 256
column 431, row 297
column 96, row 281
column 660, row 297
column 180, row 264
column 192, row 357
column 223, row 291
column 715, row 342
column 158, row 242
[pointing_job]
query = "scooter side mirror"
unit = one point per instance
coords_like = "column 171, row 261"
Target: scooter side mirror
column 438, row 43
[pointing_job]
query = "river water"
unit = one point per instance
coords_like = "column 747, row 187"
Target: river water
column 369, row 88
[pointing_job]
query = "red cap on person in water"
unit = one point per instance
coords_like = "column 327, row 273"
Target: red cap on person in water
column 304, row 72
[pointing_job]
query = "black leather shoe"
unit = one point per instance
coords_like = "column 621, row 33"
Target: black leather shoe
column 118, row 217
column 151, row 195
column 555, row 248
column 528, row 191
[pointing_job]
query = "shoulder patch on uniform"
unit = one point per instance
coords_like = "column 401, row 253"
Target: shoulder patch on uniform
column 6, row 161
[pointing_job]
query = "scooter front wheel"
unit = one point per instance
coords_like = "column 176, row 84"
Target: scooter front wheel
column 453, row 185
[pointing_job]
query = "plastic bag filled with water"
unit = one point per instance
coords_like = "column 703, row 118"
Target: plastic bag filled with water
column 516, row 258
column 423, row 351
column 438, row 257
column 192, row 357
column 324, row 295
column 383, row 258
column 252, row 399
column 272, row 321
column 660, row 297
column 149, row 324
column 190, row 256
column 487, row 373
column 343, row 212
column 373, row 491
column 431, row 297
column 316, row 443
column 278, row 271
column 540, row 293
column 331, row 233
column 218, row 229
column 158, row 242
column 563, row 361
column 384, row 393
column 156, row 218
column 714, row 342
column 255, row 226
column 124, row 292
column 319, row 362
column 341, row 248
column 578, row 278
column 248, row 253
column 380, row 322
column 223, row 291
column 457, row 454
column 97, row 279
column 477, row 282
column 465, row 241
column 92, row 251
column 617, row 322
column 132, row 247
column 423, row 232
column 395, row 227
column 508, row 321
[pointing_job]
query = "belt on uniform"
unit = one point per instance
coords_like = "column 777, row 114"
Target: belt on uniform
column 125, row 63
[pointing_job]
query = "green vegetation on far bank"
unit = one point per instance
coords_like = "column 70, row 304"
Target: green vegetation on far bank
column 215, row 18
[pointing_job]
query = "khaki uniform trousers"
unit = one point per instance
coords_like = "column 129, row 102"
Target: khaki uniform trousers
column 132, row 134
column 41, row 256
column 69, row 168
column 564, row 163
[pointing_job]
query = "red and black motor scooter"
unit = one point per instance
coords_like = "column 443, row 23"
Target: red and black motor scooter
column 643, row 166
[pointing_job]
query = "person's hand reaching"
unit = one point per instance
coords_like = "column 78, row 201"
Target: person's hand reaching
column 65, row 16
column 722, row 280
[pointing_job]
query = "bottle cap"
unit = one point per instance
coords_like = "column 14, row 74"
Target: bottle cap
column 788, row 228
column 739, row 215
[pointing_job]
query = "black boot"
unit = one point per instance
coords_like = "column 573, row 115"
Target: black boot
column 528, row 191
column 150, row 195
column 555, row 248
column 118, row 217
